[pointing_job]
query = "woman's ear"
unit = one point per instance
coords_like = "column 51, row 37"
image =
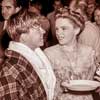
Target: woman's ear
column 18, row 9
column 77, row 30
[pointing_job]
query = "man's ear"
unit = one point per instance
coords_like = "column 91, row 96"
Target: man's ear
column 18, row 9
column 77, row 30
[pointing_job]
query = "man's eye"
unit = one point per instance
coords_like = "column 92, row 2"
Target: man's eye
column 8, row 7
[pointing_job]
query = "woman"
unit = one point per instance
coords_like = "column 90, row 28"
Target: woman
column 26, row 68
column 70, row 60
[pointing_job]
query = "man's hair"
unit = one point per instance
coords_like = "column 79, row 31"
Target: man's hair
column 57, row 1
column 21, row 22
column 35, row 3
column 19, row 3
column 16, row 2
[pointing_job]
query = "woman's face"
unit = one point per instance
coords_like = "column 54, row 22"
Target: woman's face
column 65, row 31
column 34, row 38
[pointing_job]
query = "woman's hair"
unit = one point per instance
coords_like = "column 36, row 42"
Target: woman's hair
column 74, row 17
column 21, row 22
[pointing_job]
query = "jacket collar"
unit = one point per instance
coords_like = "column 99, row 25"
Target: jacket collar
column 40, row 63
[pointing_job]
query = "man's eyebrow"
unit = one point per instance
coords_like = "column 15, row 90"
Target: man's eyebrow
column 8, row 6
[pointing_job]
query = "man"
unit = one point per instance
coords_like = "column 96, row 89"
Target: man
column 97, row 24
column 8, row 8
column 20, row 76
column 90, row 35
column 90, row 9
column 35, row 7
column 97, row 16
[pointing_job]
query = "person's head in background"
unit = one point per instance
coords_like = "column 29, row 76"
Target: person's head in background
column 90, row 9
column 73, row 4
column 81, row 8
column 82, row 4
column 97, row 15
column 57, row 4
column 35, row 6
column 26, row 28
column 9, row 7
column 68, row 26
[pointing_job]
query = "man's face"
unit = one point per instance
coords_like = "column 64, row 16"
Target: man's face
column 90, row 9
column 8, row 8
column 57, row 5
column 34, row 37
column 33, row 9
column 97, row 16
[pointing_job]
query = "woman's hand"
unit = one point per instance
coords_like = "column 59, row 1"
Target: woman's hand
column 97, row 78
column 64, row 85
column 98, row 90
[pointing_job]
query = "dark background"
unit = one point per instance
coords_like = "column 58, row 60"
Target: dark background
column 46, row 4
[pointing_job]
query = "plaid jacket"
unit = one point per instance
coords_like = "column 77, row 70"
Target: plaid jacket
column 18, row 80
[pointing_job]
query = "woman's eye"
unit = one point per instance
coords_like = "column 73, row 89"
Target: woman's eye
column 64, row 28
column 56, row 29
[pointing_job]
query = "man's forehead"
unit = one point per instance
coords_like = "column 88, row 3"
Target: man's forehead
column 57, row 3
column 7, row 2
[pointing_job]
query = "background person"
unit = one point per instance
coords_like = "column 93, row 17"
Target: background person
column 8, row 8
column 36, row 7
column 51, row 17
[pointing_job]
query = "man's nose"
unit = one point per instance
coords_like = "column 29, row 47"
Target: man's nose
column 42, row 30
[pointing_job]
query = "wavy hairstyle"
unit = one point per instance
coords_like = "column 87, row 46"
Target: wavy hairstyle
column 73, row 16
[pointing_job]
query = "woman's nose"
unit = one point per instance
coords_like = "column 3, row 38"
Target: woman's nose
column 58, row 32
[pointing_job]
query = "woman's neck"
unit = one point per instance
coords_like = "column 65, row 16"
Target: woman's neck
column 71, row 47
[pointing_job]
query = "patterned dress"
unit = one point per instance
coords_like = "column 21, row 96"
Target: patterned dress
column 78, row 64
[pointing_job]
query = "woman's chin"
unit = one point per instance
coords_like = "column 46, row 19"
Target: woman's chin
column 61, row 42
